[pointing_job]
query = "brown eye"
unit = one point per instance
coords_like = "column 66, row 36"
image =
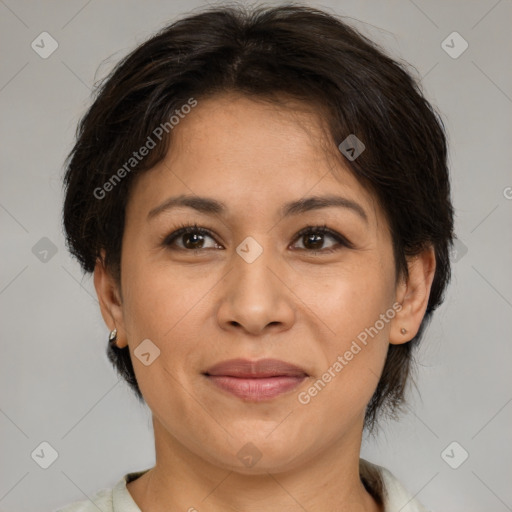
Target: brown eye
column 313, row 238
column 191, row 238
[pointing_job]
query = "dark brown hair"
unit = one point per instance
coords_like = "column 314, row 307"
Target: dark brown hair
column 270, row 53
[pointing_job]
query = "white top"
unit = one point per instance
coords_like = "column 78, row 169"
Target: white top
column 118, row 499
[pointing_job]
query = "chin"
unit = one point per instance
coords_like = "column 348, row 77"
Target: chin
column 262, row 454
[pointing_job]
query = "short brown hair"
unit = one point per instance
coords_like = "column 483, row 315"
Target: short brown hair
column 292, row 50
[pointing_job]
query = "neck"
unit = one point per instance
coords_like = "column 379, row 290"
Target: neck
column 181, row 480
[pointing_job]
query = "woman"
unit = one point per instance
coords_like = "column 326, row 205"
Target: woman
column 263, row 197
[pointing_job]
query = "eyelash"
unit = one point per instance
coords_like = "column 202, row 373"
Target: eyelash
column 323, row 229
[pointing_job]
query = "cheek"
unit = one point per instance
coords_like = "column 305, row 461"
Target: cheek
column 356, row 308
column 164, row 307
column 158, row 299
column 161, row 308
column 347, row 299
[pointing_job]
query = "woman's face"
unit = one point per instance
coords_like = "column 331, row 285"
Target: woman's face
column 252, row 288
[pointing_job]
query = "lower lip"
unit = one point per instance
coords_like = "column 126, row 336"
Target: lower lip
column 256, row 390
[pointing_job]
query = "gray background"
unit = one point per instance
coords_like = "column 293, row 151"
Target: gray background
column 55, row 380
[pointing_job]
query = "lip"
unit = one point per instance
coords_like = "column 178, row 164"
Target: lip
column 255, row 380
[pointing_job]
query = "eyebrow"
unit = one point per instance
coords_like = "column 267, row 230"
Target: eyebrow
column 214, row 207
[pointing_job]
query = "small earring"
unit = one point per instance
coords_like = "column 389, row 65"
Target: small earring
column 113, row 336
column 403, row 331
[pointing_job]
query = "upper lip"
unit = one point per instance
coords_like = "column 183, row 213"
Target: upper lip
column 245, row 368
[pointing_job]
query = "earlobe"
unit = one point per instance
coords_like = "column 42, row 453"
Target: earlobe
column 413, row 295
column 110, row 301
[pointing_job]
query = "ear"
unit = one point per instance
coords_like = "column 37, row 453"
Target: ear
column 110, row 300
column 413, row 294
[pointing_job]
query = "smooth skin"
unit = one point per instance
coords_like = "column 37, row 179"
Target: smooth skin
column 300, row 301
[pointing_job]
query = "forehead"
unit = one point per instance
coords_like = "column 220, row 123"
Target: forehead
column 251, row 153
column 253, row 132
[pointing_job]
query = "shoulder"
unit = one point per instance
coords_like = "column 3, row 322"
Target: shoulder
column 116, row 499
column 393, row 494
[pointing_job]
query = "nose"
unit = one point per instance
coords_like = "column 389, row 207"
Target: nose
column 255, row 296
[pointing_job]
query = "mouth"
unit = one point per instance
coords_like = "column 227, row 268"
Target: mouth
column 255, row 381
